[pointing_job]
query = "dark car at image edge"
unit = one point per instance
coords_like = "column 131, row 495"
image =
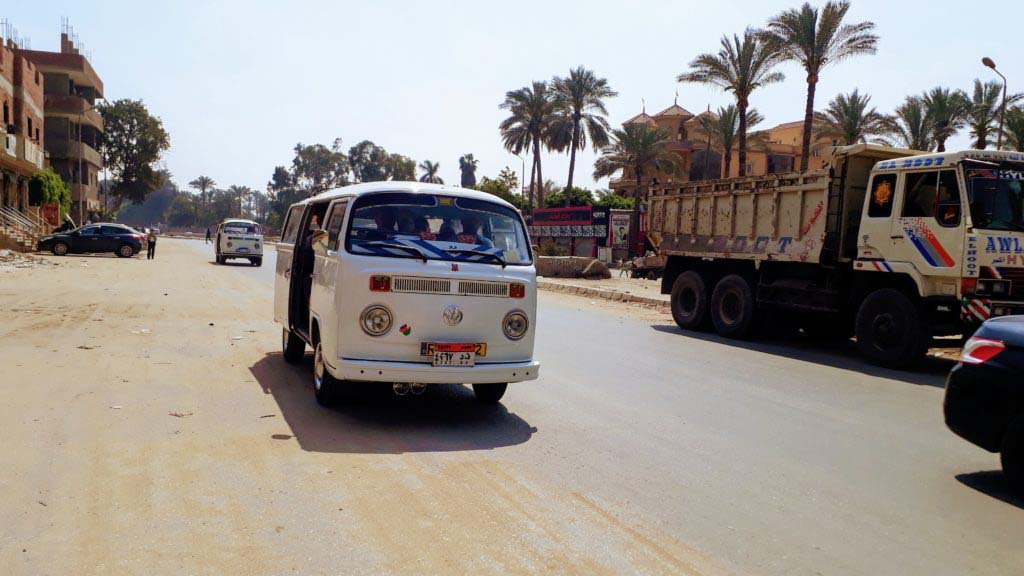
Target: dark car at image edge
column 984, row 401
column 95, row 238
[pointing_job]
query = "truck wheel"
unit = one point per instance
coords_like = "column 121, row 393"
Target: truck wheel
column 489, row 393
column 889, row 329
column 1012, row 456
column 732, row 307
column 292, row 345
column 690, row 301
column 325, row 386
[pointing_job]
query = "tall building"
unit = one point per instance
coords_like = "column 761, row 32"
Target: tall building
column 74, row 128
column 21, row 133
column 770, row 151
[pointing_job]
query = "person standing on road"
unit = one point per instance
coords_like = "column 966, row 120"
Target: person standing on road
column 151, row 245
column 208, row 235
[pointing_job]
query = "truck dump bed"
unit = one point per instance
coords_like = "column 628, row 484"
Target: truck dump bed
column 791, row 217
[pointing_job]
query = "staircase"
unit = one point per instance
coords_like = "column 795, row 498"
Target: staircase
column 20, row 231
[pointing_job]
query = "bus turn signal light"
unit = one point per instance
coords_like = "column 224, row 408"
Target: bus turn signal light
column 380, row 283
column 517, row 290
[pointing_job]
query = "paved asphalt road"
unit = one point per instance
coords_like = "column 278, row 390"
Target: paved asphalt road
column 639, row 450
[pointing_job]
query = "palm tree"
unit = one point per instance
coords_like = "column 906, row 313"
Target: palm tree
column 848, row 120
column 816, row 40
column 723, row 127
column 204, row 184
column 237, row 195
column 528, row 125
column 985, row 104
column 641, row 149
column 910, row 125
column 580, row 113
column 1013, row 130
column 740, row 67
column 430, row 172
column 467, row 165
column 947, row 111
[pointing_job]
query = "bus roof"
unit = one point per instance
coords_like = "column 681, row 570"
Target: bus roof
column 412, row 187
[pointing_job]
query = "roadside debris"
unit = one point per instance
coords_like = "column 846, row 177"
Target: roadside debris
column 116, row 407
column 141, row 331
column 179, row 414
column 268, row 416
column 11, row 261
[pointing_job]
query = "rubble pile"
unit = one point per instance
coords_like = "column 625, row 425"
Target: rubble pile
column 11, row 261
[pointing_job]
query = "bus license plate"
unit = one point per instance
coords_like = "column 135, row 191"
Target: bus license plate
column 454, row 358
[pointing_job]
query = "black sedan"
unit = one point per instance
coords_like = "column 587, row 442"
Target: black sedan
column 985, row 394
column 116, row 238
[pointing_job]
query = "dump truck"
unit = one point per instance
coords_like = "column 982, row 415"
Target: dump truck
column 889, row 245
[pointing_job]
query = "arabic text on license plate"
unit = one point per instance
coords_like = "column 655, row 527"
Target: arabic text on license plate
column 428, row 348
column 453, row 358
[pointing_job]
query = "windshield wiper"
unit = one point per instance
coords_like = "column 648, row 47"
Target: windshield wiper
column 397, row 246
column 478, row 253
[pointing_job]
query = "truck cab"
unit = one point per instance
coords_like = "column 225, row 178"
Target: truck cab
column 953, row 223
column 410, row 284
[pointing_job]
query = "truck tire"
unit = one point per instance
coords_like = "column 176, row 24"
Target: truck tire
column 292, row 346
column 489, row 393
column 733, row 307
column 1012, row 456
column 325, row 386
column 889, row 330
column 690, row 301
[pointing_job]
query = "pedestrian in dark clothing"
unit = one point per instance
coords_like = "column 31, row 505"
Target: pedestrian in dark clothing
column 208, row 235
column 151, row 245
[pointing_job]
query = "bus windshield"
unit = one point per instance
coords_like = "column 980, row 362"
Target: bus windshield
column 996, row 194
column 405, row 225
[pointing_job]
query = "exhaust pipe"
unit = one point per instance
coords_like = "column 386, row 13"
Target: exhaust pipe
column 400, row 388
column 417, row 388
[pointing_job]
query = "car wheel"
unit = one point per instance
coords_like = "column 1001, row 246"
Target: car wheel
column 690, row 301
column 1012, row 455
column 325, row 386
column 889, row 330
column 259, row 262
column 60, row 249
column 732, row 307
column 292, row 346
column 489, row 393
column 125, row 251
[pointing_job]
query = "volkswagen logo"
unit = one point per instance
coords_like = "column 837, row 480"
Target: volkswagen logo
column 452, row 315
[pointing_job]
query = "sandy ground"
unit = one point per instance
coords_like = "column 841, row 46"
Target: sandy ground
column 151, row 427
column 635, row 286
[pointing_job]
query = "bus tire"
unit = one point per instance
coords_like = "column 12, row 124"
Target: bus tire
column 733, row 307
column 690, row 301
column 889, row 330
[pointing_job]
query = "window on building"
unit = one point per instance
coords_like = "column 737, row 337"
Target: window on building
column 7, row 114
column 883, row 188
column 30, row 127
column 778, row 163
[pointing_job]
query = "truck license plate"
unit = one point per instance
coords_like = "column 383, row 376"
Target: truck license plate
column 454, row 358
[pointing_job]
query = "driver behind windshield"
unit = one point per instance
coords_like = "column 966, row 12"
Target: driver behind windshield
column 471, row 233
column 385, row 220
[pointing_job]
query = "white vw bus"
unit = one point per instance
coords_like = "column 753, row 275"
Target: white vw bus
column 407, row 283
column 237, row 238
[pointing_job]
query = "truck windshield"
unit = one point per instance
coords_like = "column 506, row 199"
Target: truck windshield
column 996, row 194
column 439, row 227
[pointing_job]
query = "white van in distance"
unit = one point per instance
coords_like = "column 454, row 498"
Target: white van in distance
column 407, row 283
column 237, row 238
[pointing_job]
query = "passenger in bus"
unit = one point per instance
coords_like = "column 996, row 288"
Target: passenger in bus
column 471, row 233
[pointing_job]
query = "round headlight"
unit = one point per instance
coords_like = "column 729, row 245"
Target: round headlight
column 376, row 320
column 515, row 325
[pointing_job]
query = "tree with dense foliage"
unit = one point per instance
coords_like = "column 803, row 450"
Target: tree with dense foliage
column 153, row 210
column 400, row 168
column 133, row 141
column 579, row 114
column 431, row 172
column 527, row 127
column 182, row 211
column 282, row 194
column 723, row 128
column 1013, row 130
column 47, row 187
column 948, row 111
column 849, row 120
column 638, row 149
column 610, row 199
column 367, row 161
column 509, row 177
column 909, row 126
column 204, row 185
column 579, row 197
column 740, row 66
column 502, row 188
column 986, row 100
column 317, row 168
column 239, row 195
column 815, row 39
column 467, row 166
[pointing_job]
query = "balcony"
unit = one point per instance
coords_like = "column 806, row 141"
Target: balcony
column 80, row 191
column 30, row 152
column 74, row 150
column 72, row 106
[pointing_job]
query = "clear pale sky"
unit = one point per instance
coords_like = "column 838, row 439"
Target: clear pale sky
column 239, row 83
